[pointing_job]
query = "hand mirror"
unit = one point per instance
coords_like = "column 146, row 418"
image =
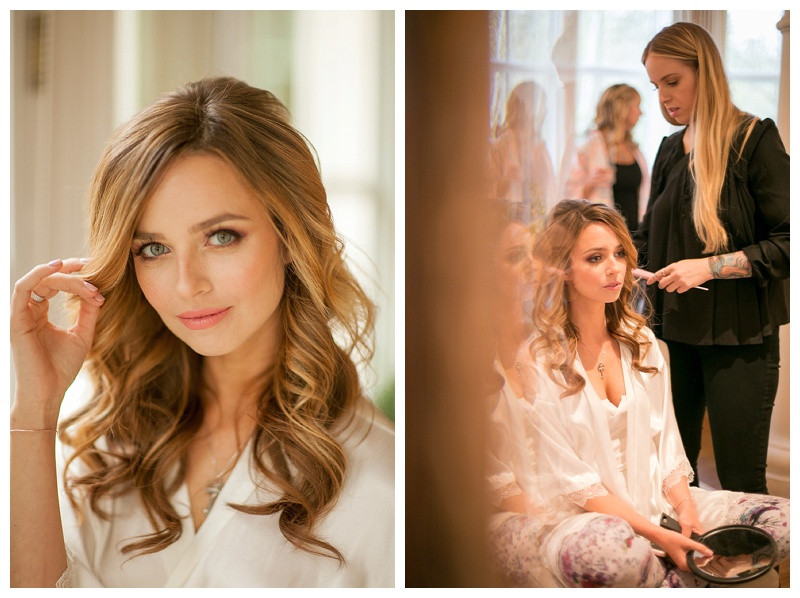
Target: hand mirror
column 741, row 553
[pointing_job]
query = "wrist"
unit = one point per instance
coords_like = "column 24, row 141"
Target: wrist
column 684, row 505
column 710, row 267
column 32, row 418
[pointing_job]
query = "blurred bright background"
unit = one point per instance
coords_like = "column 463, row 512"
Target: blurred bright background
column 77, row 75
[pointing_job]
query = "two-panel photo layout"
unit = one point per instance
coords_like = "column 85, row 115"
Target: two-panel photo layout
column 398, row 299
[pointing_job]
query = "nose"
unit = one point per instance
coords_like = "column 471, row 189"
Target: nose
column 663, row 94
column 615, row 266
column 527, row 265
column 191, row 278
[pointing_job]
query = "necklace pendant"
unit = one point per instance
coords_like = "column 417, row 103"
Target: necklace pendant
column 600, row 368
column 213, row 492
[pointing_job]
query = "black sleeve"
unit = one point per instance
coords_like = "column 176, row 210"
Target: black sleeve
column 656, row 186
column 768, row 183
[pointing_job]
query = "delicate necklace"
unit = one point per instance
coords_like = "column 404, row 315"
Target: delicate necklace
column 214, row 487
column 600, row 365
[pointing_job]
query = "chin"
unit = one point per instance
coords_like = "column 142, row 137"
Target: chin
column 207, row 347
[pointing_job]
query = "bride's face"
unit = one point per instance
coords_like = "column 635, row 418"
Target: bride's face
column 208, row 259
column 597, row 266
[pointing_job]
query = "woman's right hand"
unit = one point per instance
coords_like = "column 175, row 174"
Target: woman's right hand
column 48, row 358
column 677, row 545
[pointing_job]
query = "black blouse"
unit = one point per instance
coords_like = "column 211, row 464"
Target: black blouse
column 754, row 209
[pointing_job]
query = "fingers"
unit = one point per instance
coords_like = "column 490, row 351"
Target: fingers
column 87, row 319
column 669, row 281
column 46, row 280
column 701, row 548
column 26, row 285
column 68, row 283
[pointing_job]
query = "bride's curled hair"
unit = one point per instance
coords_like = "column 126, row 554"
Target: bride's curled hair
column 555, row 336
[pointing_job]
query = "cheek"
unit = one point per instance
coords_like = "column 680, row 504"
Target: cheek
column 256, row 278
column 154, row 286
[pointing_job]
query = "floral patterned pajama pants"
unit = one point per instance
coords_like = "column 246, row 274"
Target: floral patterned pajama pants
column 603, row 551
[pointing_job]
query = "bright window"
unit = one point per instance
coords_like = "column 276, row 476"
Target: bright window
column 575, row 55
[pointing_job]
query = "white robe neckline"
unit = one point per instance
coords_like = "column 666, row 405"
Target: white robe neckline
column 238, row 489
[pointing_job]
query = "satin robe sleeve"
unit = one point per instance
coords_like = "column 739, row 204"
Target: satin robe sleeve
column 566, row 466
column 504, row 438
column 671, row 456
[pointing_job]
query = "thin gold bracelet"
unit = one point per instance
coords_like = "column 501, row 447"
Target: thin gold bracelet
column 39, row 430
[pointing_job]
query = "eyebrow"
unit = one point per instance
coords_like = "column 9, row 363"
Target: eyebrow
column 601, row 249
column 666, row 77
column 195, row 228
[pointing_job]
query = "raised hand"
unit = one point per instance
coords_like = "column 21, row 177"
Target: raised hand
column 47, row 358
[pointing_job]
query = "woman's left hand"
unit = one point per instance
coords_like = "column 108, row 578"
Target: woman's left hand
column 682, row 276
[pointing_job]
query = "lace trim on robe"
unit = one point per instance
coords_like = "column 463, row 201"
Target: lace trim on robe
column 673, row 477
column 67, row 579
column 579, row 497
column 503, row 486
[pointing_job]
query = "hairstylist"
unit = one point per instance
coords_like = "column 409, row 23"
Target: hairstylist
column 718, row 216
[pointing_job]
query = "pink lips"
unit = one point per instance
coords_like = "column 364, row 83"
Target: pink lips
column 613, row 286
column 203, row 318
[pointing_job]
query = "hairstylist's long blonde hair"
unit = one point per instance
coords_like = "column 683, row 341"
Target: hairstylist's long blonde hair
column 134, row 432
column 556, row 337
column 716, row 123
column 612, row 113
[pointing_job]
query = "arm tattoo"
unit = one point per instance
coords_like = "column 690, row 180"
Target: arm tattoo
column 730, row 265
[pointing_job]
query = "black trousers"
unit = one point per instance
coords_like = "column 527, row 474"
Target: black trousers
column 737, row 384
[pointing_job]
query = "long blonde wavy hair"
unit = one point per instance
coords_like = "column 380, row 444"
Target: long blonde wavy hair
column 717, row 122
column 525, row 108
column 134, row 432
column 556, row 337
column 612, row 113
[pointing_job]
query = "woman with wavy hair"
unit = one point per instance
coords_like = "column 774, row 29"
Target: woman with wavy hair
column 520, row 168
column 718, row 216
column 223, row 438
column 610, row 168
column 608, row 455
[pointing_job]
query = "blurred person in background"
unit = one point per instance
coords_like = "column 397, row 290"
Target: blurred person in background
column 520, row 169
column 609, row 167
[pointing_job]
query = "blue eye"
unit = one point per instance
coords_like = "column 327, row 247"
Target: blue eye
column 151, row 250
column 223, row 237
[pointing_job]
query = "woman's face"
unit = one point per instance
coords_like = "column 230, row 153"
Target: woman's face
column 597, row 266
column 209, row 261
column 676, row 83
column 634, row 112
column 513, row 263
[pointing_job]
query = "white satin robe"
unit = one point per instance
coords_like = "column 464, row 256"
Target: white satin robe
column 576, row 458
column 232, row 549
